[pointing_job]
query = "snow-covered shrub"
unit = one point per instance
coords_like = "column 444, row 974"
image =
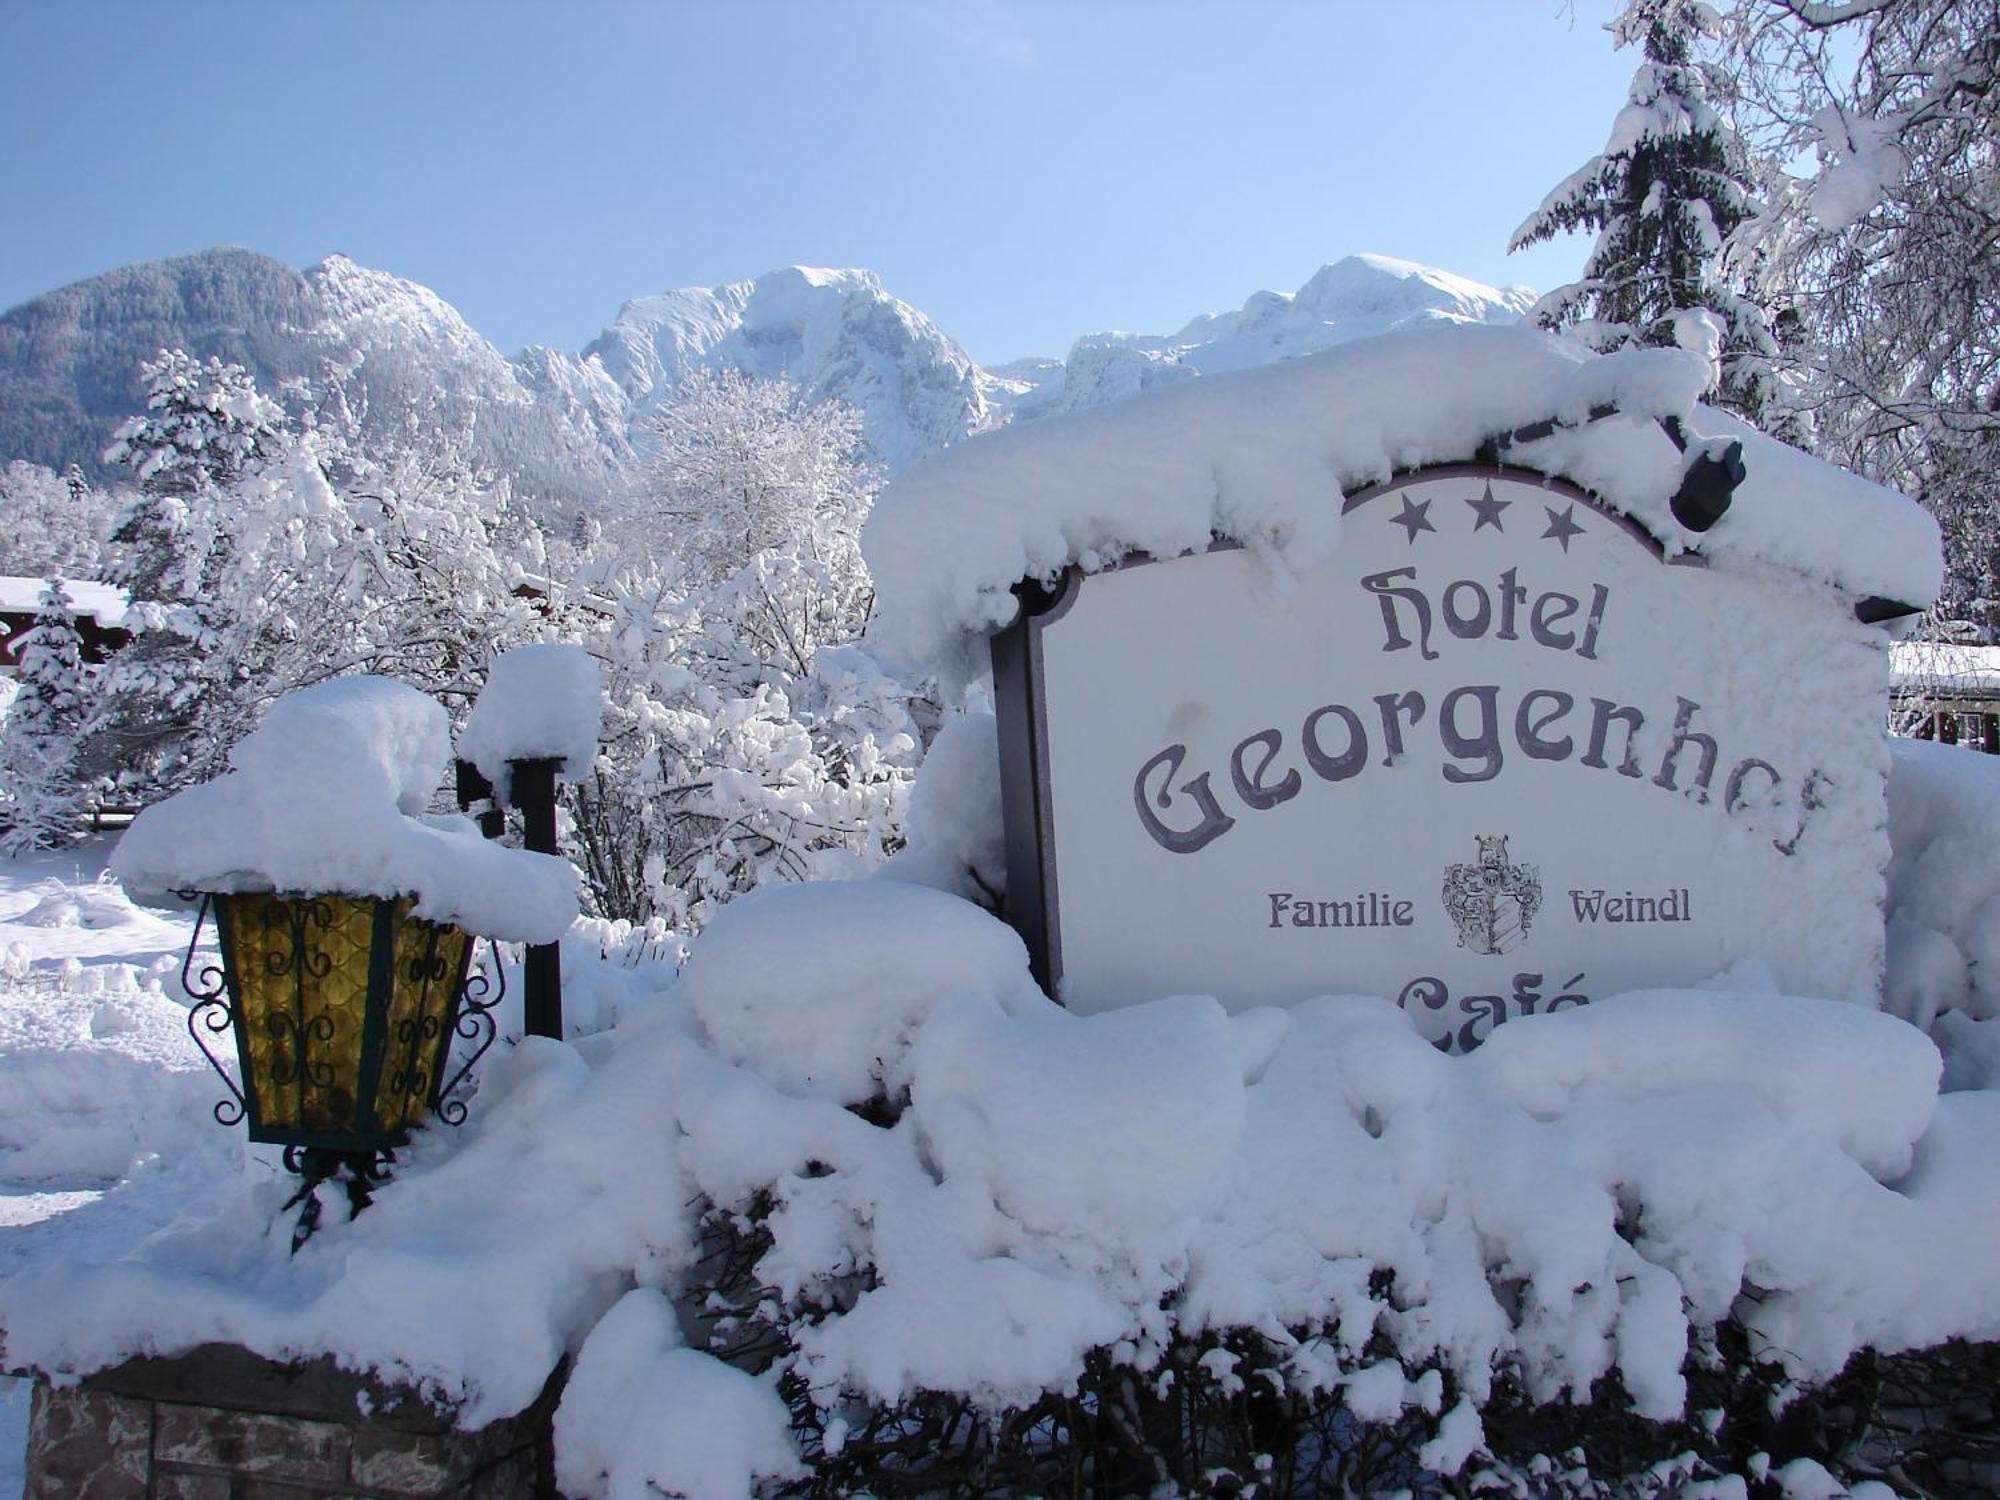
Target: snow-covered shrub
column 849, row 1207
column 721, row 768
column 954, row 837
column 1618, row 1251
column 56, row 523
column 39, row 791
column 747, row 738
column 1944, row 883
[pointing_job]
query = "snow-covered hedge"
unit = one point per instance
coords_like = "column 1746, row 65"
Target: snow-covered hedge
column 852, row 1148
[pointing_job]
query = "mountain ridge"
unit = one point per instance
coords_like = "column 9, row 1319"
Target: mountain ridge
column 567, row 425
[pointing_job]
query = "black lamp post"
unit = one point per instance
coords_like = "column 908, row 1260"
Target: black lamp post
column 344, row 1010
column 531, row 786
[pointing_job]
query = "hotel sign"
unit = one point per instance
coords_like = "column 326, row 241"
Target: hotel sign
column 1497, row 756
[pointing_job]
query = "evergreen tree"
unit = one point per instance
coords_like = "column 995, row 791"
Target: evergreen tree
column 205, row 428
column 1673, row 183
column 205, row 435
column 39, row 791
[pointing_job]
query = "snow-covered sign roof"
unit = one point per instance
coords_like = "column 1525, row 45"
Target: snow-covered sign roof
column 103, row 602
column 1256, row 456
column 1946, row 670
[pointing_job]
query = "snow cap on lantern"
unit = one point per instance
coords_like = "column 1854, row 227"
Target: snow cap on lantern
column 326, row 796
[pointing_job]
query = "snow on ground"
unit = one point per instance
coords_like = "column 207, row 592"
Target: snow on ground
column 100, row 1088
column 107, row 1131
column 1051, row 1182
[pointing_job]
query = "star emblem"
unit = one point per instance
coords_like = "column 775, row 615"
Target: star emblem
column 1414, row 518
column 1488, row 510
column 1562, row 525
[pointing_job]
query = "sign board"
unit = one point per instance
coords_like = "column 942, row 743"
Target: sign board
column 1496, row 756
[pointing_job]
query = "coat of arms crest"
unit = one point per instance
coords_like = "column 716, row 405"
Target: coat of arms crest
column 1492, row 901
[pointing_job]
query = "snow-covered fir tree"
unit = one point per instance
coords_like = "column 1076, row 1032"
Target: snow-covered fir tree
column 205, row 427
column 1673, row 182
column 39, row 792
column 206, row 430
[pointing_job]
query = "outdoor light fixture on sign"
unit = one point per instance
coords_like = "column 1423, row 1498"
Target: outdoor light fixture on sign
column 344, row 1009
column 345, row 914
column 1498, row 754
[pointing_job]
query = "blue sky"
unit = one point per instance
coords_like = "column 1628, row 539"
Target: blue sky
column 1023, row 172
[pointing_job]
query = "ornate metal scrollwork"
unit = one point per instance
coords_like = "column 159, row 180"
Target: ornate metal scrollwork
column 212, row 1013
column 359, row 1172
column 476, row 1004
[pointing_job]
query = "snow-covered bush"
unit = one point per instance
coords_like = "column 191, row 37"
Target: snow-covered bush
column 56, row 523
column 1303, row 1252
column 39, row 791
column 747, row 738
column 723, row 768
column 848, row 1206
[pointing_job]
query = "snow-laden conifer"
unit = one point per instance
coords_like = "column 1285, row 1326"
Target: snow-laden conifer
column 39, row 794
column 206, row 430
column 1673, row 182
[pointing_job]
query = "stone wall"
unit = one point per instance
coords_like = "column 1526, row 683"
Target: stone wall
column 222, row 1424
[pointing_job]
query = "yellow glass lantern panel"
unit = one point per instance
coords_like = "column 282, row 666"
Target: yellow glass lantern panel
column 429, row 966
column 302, row 970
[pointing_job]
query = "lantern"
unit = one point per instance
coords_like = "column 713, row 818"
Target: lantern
column 344, row 1010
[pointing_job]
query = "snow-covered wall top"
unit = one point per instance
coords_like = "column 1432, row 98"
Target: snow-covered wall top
column 1262, row 456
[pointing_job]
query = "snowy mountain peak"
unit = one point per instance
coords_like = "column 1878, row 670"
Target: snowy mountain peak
column 1352, row 298
column 1382, row 285
column 834, row 333
column 381, row 316
column 565, row 426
